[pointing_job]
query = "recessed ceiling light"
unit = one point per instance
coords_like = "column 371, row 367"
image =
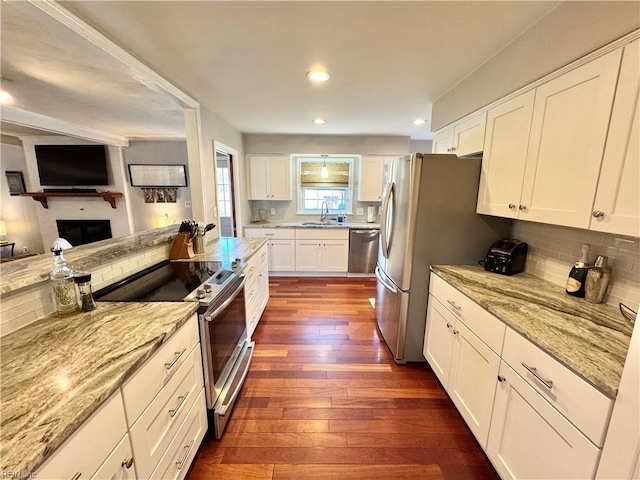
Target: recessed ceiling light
column 419, row 121
column 318, row 76
column 319, row 121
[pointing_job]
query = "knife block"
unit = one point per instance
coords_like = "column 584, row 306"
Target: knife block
column 182, row 248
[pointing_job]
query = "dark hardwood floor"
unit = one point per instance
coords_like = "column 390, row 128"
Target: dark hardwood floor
column 324, row 399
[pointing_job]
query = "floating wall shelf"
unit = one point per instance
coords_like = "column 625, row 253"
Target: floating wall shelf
column 43, row 197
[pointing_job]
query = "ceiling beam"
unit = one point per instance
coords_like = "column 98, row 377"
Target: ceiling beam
column 25, row 118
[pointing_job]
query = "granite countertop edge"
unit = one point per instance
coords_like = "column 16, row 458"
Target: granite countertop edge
column 349, row 225
column 37, row 448
column 605, row 381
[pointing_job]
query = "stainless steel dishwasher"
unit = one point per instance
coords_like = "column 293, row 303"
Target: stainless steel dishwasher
column 363, row 250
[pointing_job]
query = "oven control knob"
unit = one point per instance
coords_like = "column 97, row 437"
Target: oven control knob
column 207, row 288
column 236, row 263
column 200, row 294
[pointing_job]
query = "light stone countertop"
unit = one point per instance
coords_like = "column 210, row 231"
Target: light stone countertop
column 311, row 224
column 227, row 249
column 57, row 371
column 590, row 339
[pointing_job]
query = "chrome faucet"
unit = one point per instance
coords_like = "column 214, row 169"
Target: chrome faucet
column 324, row 211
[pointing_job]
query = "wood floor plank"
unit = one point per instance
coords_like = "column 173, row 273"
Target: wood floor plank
column 357, row 472
column 324, row 399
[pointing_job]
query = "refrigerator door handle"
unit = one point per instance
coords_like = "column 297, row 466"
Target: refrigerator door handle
column 384, row 235
column 384, row 282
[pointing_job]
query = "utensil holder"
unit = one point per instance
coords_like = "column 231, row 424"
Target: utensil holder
column 198, row 244
column 182, row 248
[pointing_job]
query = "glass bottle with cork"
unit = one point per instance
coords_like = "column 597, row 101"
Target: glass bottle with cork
column 64, row 289
column 578, row 274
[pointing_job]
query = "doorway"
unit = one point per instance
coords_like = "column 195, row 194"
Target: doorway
column 226, row 200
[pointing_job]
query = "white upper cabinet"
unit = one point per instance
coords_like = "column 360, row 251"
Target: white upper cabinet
column 568, row 132
column 505, row 156
column 269, row 177
column 370, row 179
column 617, row 204
column 465, row 138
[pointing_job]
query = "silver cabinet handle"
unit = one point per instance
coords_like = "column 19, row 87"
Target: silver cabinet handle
column 522, row 207
column 501, row 379
column 76, row 476
column 449, row 325
column 597, row 214
column 456, row 332
column 175, row 359
column 127, row 462
column 181, row 400
column 187, row 448
column 268, row 234
column 512, row 206
column 453, row 304
column 534, row 372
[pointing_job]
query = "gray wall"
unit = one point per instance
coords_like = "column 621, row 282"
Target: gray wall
column 18, row 213
column 151, row 215
column 567, row 33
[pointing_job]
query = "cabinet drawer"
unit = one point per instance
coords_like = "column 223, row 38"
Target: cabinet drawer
column 582, row 404
column 158, row 425
column 175, row 463
column 88, row 447
column 487, row 327
column 145, row 384
column 283, row 233
column 119, row 465
column 254, row 262
column 322, row 233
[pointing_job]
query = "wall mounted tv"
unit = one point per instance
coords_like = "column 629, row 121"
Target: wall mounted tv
column 72, row 165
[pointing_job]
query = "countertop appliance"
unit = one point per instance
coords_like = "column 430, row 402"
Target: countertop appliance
column 219, row 289
column 428, row 218
column 506, row 257
column 363, row 249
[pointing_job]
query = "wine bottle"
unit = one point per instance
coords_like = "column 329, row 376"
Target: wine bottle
column 578, row 274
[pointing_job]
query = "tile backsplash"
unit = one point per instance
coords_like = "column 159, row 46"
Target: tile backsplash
column 554, row 249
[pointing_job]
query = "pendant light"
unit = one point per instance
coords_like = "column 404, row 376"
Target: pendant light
column 324, row 173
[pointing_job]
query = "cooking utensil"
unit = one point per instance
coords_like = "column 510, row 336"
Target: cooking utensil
column 627, row 313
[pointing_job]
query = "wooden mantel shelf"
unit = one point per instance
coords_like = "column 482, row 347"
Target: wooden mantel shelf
column 42, row 197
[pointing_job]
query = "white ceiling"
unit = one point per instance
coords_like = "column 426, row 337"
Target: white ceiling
column 247, row 61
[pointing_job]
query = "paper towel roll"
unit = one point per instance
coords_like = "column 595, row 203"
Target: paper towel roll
column 371, row 214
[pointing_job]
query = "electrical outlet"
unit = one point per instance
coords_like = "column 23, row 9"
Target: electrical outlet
column 360, row 211
column 187, row 204
column 273, row 211
column 25, row 249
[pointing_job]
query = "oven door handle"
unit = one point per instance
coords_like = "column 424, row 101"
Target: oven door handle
column 222, row 410
column 210, row 315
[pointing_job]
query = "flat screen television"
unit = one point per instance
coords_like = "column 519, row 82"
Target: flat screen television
column 72, row 165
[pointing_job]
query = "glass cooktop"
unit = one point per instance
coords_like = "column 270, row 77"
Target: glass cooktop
column 164, row 282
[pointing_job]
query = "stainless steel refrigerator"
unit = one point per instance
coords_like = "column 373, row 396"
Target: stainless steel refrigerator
column 428, row 218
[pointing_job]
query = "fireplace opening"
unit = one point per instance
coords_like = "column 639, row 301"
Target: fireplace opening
column 81, row 232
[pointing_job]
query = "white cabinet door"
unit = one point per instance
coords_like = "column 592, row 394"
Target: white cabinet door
column 468, row 136
column 258, row 177
column 119, row 465
column 568, row 132
column 335, row 255
column 443, row 141
column 370, row 179
column 617, row 205
column 282, row 255
column 438, row 339
column 308, row 255
column 505, row 155
column 280, row 178
column 529, row 439
column 472, row 380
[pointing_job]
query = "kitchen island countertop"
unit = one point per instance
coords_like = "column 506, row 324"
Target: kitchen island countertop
column 590, row 339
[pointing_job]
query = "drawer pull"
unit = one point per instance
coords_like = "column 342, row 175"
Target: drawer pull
column 76, row 476
column 127, row 462
column 453, row 304
column 501, row 379
column 456, row 332
column 187, row 448
column 534, row 372
column 181, row 400
column 175, row 359
column 449, row 325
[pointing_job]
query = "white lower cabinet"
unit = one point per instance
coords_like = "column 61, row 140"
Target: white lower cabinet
column 86, row 450
column 256, row 288
column 529, row 439
column 119, row 465
column 322, row 250
column 280, row 246
column 465, row 366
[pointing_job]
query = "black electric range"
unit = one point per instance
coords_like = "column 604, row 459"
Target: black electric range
column 170, row 282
